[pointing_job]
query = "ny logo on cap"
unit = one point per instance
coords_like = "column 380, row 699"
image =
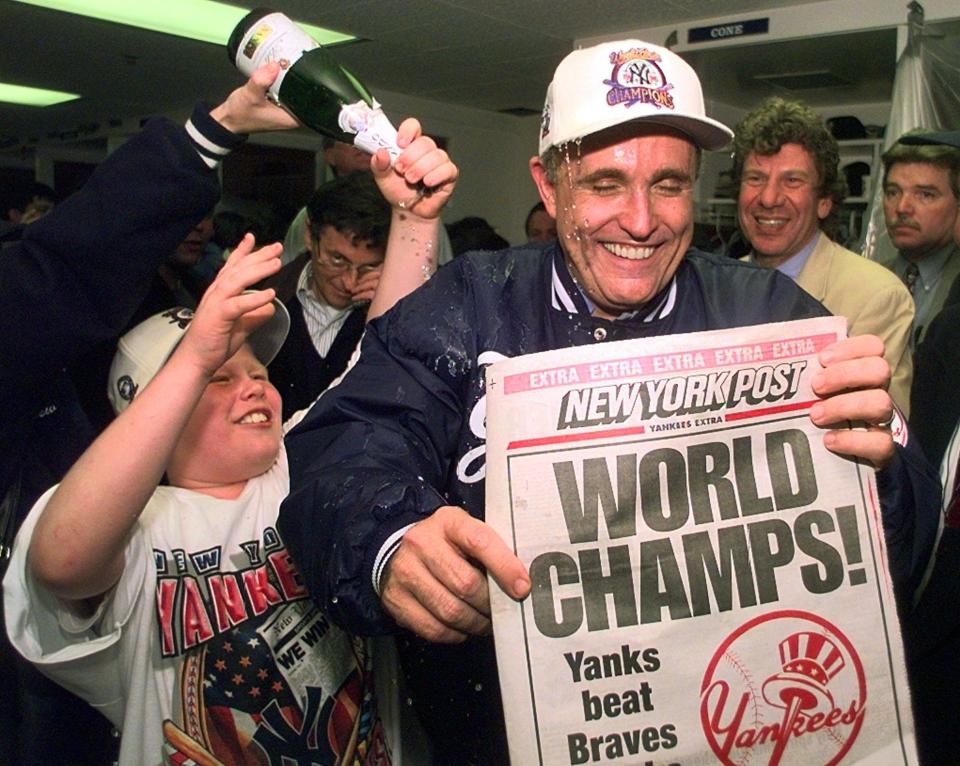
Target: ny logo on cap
column 638, row 78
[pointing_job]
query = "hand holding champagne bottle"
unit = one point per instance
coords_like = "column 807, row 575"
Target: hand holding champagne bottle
column 417, row 186
column 311, row 84
column 421, row 180
column 248, row 110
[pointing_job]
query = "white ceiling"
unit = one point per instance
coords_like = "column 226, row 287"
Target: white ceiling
column 488, row 54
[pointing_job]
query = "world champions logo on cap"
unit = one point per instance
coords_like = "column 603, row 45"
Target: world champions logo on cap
column 638, row 79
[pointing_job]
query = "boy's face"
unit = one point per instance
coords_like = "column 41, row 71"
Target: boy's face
column 234, row 432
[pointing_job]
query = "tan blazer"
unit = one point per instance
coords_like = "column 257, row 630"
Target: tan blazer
column 874, row 301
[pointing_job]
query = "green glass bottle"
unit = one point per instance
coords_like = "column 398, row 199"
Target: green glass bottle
column 312, row 85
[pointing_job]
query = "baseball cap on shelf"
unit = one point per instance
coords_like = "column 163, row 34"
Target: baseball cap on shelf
column 143, row 350
column 624, row 81
column 945, row 138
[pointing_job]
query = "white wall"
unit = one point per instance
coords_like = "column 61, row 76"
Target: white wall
column 491, row 151
column 828, row 17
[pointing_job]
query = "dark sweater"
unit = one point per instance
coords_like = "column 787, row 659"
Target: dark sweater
column 298, row 371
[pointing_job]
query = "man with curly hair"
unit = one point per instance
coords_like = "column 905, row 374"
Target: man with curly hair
column 786, row 164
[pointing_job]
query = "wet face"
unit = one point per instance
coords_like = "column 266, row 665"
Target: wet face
column 920, row 208
column 780, row 208
column 189, row 251
column 541, row 227
column 346, row 158
column 234, row 431
column 340, row 262
column 623, row 205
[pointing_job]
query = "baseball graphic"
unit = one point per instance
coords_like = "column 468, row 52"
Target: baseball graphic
column 784, row 688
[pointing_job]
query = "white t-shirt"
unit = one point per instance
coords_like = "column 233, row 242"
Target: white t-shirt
column 208, row 643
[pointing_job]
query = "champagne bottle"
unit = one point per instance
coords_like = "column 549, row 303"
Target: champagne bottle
column 311, row 85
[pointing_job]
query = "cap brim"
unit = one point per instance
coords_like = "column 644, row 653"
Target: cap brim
column 706, row 133
column 266, row 340
column 946, row 138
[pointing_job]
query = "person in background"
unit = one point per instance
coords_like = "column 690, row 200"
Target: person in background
column 175, row 283
column 229, row 226
column 342, row 159
column 26, row 203
column 540, row 226
column 932, row 629
column 474, row 233
column 385, row 515
column 22, row 204
column 921, row 198
column 327, row 289
column 786, row 164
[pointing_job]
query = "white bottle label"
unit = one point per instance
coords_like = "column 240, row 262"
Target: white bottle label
column 273, row 38
column 372, row 128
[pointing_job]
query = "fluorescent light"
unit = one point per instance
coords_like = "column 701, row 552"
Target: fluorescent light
column 204, row 20
column 20, row 94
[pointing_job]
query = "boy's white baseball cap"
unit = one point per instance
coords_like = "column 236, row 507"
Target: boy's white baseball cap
column 143, row 350
column 622, row 81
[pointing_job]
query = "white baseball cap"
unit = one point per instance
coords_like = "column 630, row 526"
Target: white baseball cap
column 622, row 81
column 143, row 350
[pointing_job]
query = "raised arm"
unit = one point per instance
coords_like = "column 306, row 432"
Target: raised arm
column 76, row 550
column 248, row 110
column 80, row 272
column 417, row 187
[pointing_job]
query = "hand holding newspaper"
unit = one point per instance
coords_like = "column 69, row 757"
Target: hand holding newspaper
column 709, row 583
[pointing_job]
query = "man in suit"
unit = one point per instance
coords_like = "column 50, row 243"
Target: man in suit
column 932, row 628
column 327, row 288
column 921, row 195
column 786, row 164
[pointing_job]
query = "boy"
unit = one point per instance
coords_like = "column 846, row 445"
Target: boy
column 176, row 609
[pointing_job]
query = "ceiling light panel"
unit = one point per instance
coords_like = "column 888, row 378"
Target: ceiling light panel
column 203, row 20
column 26, row 96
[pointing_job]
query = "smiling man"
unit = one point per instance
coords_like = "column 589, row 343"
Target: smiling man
column 786, row 163
column 390, row 463
column 921, row 198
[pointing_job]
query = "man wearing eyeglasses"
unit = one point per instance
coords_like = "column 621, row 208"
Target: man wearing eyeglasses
column 346, row 234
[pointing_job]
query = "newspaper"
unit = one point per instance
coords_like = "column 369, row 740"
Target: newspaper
column 709, row 582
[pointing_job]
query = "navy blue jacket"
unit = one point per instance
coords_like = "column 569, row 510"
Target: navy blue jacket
column 403, row 434
column 74, row 280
